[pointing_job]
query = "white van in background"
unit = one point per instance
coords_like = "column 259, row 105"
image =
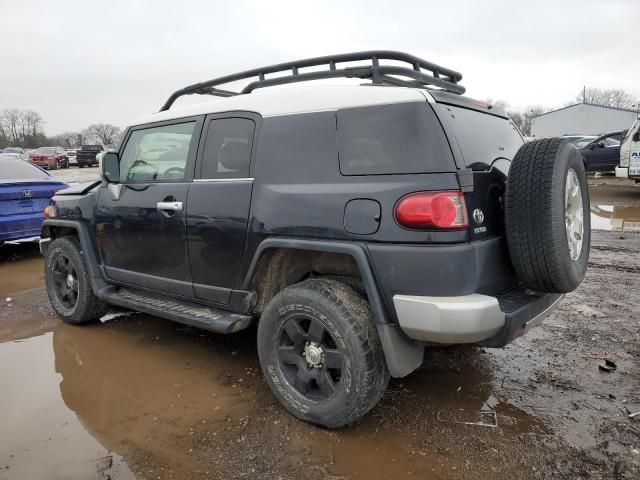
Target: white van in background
column 630, row 154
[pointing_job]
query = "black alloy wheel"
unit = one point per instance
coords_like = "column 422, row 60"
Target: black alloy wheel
column 309, row 358
column 65, row 280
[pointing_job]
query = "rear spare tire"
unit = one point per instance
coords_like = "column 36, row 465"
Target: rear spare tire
column 547, row 218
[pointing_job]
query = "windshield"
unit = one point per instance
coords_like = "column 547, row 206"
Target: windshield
column 46, row 150
column 13, row 168
column 91, row 147
column 12, row 150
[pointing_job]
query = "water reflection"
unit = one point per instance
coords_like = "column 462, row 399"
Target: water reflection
column 41, row 436
column 614, row 217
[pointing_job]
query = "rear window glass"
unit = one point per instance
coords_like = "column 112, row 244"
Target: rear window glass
column 391, row 139
column 482, row 137
column 11, row 169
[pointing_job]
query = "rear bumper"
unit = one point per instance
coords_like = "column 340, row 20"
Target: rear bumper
column 491, row 321
column 86, row 161
column 622, row 172
column 24, row 225
column 43, row 164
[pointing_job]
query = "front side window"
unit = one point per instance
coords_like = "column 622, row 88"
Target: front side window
column 227, row 150
column 157, row 153
column 611, row 142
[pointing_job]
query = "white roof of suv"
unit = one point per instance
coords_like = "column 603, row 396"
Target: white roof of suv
column 270, row 102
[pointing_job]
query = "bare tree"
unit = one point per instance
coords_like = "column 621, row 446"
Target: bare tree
column 104, row 133
column 523, row 119
column 11, row 121
column 69, row 139
column 608, row 97
column 33, row 121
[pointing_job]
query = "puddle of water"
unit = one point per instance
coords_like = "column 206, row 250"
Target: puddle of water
column 615, row 208
column 168, row 401
column 41, row 437
column 614, row 217
column 22, row 269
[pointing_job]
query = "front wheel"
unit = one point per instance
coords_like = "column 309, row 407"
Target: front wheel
column 67, row 281
column 320, row 353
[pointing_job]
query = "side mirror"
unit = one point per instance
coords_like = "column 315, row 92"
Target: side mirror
column 636, row 136
column 109, row 167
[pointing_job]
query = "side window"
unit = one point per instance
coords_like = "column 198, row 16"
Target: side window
column 392, row 139
column 157, row 154
column 611, row 142
column 227, row 149
column 482, row 137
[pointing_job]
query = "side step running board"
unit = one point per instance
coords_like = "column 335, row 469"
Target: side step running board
column 207, row 318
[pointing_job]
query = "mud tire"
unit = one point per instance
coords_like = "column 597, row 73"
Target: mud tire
column 87, row 307
column 347, row 317
column 535, row 216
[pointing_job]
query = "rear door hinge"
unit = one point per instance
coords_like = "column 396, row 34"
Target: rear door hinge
column 465, row 178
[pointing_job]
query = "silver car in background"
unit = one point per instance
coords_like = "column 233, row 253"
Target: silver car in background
column 72, row 157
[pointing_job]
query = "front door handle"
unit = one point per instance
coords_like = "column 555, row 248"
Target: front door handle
column 169, row 206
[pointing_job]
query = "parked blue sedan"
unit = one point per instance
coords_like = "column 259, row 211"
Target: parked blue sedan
column 25, row 191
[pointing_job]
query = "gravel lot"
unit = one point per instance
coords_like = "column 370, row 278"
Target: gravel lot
column 141, row 397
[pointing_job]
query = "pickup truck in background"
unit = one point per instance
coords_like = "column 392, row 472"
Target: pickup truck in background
column 87, row 155
column 630, row 154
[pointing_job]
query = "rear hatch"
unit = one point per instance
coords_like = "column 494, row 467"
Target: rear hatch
column 484, row 141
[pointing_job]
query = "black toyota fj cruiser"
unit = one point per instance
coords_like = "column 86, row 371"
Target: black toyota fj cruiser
column 355, row 224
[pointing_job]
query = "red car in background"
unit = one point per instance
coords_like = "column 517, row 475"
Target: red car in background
column 51, row 158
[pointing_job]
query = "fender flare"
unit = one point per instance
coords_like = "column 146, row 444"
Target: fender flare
column 356, row 251
column 402, row 355
column 89, row 253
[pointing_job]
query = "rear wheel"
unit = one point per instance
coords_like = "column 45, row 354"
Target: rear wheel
column 67, row 282
column 320, row 353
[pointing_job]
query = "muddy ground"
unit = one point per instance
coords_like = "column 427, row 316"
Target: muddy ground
column 140, row 397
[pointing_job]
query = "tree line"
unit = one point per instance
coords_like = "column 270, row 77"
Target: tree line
column 25, row 128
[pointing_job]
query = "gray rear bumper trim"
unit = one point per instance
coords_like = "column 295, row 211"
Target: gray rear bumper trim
column 463, row 319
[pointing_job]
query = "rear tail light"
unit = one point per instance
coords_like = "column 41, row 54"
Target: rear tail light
column 424, row 210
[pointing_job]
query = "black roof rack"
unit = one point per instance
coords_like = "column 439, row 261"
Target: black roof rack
column 436, row 75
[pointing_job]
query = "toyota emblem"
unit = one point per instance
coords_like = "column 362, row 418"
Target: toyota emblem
column 478, row 216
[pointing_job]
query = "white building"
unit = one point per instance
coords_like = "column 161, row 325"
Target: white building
column 582, row 119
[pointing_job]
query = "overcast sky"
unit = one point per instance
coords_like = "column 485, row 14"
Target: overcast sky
column 78, row 62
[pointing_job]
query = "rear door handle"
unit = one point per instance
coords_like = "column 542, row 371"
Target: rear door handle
column 169, row 206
